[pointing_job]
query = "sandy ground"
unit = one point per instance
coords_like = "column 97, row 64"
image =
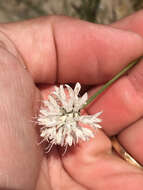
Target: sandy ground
column 109, row 10
column 14, row 10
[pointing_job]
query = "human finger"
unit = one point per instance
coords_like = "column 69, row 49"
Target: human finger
column 121, row 103
column 62, row 49
column 93, row 165
column 132, row 141
column 131, row 23
column 130, row 138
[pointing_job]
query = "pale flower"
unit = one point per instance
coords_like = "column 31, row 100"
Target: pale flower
column 61, row 118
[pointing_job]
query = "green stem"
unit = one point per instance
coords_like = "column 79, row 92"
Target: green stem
column 122, row 72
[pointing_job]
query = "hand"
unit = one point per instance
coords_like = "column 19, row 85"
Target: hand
column 63, row 50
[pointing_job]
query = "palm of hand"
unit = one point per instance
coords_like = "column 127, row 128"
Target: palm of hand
column 90, row 165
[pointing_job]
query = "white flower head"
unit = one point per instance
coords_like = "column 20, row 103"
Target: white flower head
column 61, row 118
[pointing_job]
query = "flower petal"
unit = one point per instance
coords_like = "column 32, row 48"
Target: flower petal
column 77, row 89
column 69, row 140
column 54, row 103
column 87, row 132
column 49, row 105
column 59, row 136
column 98, row 113
column 96, row 126
column 79, row 134
column 71, row 98
column 62, row 93
column 81, row 101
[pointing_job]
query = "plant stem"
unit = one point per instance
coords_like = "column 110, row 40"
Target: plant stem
column 104, row 87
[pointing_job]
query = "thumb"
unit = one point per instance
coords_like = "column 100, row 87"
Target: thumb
column 19, row 155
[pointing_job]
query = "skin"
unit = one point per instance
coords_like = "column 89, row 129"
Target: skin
column 65, row 50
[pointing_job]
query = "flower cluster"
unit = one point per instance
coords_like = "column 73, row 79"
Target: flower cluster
column 61, row 118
